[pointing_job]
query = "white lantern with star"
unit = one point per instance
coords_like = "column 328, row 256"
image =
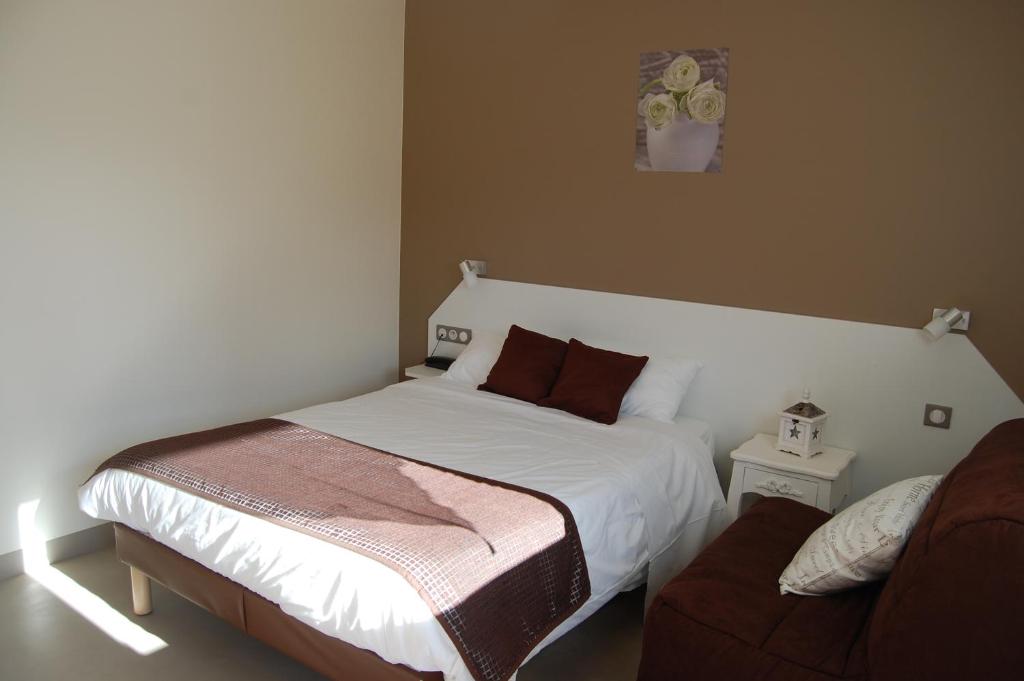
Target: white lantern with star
column 802, row 428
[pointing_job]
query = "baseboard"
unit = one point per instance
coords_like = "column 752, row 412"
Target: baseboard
column 62, row 548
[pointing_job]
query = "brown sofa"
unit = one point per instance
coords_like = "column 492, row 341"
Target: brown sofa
column 953, row 607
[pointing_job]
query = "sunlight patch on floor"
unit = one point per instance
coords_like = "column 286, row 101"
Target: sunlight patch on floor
column 74, row 595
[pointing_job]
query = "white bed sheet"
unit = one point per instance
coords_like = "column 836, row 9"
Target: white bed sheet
column 633, row 488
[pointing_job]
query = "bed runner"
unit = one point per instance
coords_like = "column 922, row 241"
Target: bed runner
column 499, row 565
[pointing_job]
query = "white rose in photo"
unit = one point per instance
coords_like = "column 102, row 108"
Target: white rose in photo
column 706, row 103
column 658, row 110
column 682, row 74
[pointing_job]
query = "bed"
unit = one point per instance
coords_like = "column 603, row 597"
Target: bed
column 644, row 495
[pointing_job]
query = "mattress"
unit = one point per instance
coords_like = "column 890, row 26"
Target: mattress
column 633, row 489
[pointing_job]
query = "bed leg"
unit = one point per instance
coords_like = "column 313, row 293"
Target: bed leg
column 142, row 597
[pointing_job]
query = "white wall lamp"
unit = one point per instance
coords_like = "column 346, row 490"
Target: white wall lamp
column 471, row 269
column 944, row 321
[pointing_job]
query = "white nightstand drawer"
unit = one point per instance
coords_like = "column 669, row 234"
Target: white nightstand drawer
column 822, row 481
column 770, row 483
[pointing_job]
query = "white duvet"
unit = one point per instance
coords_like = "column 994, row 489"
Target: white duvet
column 632, row 488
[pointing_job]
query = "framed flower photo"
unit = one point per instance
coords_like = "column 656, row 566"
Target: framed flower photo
column 681, row 101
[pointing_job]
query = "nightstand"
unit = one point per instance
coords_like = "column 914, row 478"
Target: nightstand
column 822, row 481
column 422, row 371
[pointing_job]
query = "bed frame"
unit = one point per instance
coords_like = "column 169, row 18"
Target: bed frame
column 249, row 612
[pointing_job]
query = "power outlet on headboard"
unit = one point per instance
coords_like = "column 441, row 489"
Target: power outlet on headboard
column 453, row 334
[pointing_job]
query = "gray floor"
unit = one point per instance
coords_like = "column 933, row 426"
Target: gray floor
column 42, row 638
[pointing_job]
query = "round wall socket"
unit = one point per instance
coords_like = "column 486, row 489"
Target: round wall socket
column 937, row 416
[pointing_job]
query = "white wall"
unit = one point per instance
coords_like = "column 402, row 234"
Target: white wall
column 199, row 223
column 873, row 379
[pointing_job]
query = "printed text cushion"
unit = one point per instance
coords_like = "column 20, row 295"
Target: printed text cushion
column 860, row 544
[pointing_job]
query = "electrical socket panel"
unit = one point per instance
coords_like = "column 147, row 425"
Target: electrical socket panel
column 937, row 416
column 453, row 334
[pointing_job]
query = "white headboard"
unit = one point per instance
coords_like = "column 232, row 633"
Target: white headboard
column 873, row 379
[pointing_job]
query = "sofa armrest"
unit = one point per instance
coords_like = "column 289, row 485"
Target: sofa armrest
column 958, row 613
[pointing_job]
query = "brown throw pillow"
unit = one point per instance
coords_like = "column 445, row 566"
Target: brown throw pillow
column 527, row 366
column 593, row 382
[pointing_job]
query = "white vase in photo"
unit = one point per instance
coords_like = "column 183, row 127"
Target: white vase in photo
column 683, row 145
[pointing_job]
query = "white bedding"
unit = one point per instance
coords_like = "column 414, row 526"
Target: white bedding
column 633, row 488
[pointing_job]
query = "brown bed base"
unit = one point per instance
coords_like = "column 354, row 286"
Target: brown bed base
column 250, row 612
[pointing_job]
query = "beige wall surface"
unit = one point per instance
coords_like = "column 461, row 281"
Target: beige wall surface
column 199, row 223
column 872, row 169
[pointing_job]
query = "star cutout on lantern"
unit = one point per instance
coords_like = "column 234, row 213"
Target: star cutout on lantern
column 794, row 432
column 814, row 435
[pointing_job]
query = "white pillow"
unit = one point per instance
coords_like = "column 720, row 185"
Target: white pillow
column 862, row 543
column 660, row 388
column 475, row 361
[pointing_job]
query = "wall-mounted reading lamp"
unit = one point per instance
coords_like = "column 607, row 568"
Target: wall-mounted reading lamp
column 471, row 269
column 944, row 321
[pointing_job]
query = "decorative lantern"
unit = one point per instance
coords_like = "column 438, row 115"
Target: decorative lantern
column 802, row 428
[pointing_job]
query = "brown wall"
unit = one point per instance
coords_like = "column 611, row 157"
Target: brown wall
column 872, row 169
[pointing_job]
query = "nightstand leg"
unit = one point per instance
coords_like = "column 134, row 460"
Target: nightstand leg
column 735, row 491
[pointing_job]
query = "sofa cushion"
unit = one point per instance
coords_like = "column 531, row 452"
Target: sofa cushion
column 676, row 648
column 953, row 607
column 862, row 543
column 731, row 591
